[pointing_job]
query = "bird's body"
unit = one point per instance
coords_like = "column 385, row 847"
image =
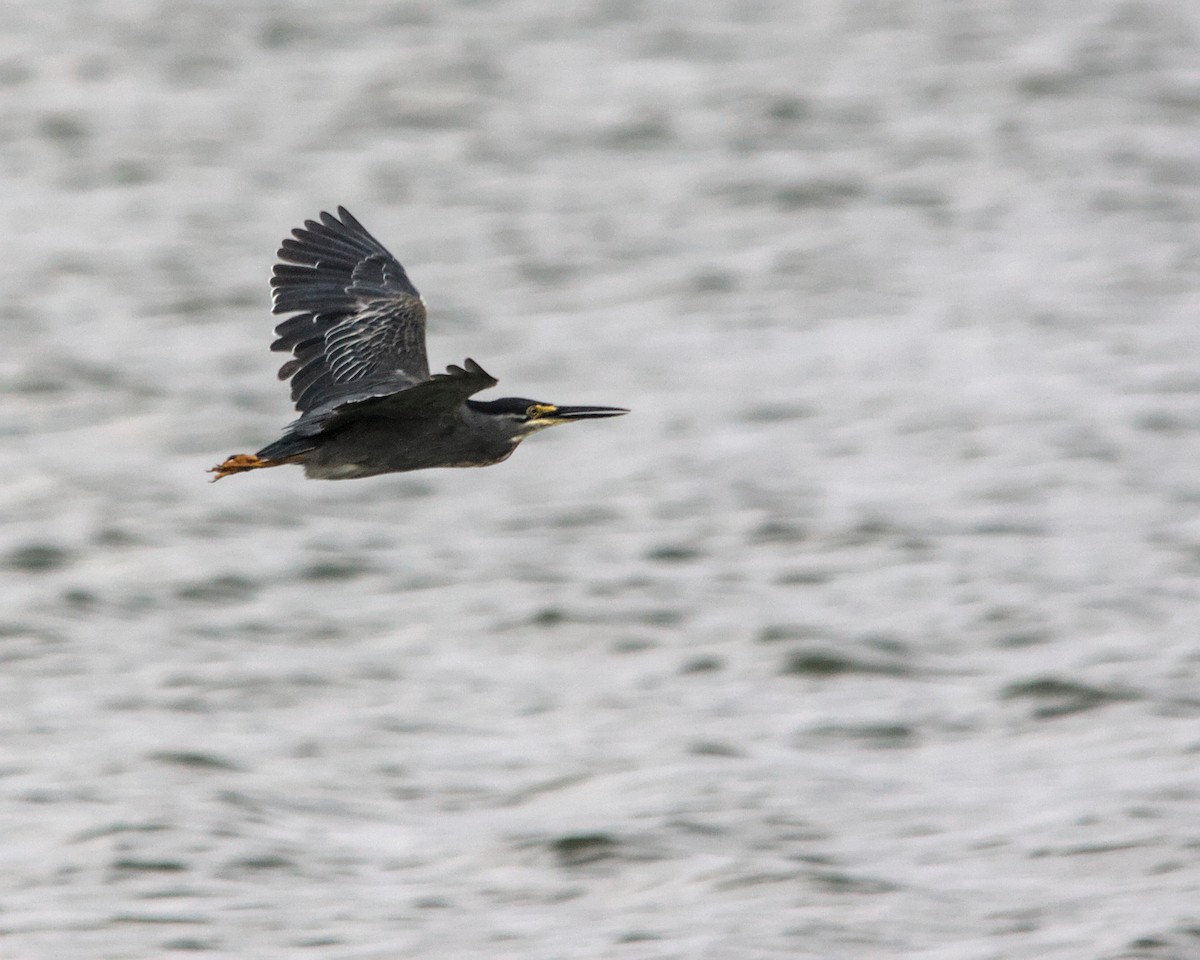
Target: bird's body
column 360, row 378
column 370, row 446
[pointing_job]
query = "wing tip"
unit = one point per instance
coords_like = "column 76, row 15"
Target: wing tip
column 474, row 370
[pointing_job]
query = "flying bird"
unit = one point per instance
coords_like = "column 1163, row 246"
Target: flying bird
column 359, row 374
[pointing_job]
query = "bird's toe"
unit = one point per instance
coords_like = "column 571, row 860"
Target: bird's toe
column 238, row 463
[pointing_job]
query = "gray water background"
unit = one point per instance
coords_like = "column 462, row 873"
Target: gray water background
column 872, row 632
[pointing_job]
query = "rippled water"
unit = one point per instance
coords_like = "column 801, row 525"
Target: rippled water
column 871, row 632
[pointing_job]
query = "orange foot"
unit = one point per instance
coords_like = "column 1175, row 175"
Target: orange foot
column 239, row 463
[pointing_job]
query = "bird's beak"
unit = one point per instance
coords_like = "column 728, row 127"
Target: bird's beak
column 567, row 414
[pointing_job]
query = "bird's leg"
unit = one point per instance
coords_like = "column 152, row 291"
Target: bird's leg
column 240, row 463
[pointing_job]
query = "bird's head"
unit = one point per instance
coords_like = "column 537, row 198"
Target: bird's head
column 521, row 417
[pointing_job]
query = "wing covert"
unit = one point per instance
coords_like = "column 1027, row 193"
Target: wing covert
column 439, row 397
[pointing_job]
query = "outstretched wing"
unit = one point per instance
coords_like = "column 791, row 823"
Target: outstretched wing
column 360, row 323
column 437, row 399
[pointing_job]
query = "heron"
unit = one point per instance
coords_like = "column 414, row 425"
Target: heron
column 359, row 374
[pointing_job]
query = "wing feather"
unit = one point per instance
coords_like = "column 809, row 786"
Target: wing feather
column 359, row 322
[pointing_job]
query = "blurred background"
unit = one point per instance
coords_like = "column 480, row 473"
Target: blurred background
column 871, row 632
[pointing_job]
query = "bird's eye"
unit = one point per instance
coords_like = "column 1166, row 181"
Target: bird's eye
column 531, row 413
